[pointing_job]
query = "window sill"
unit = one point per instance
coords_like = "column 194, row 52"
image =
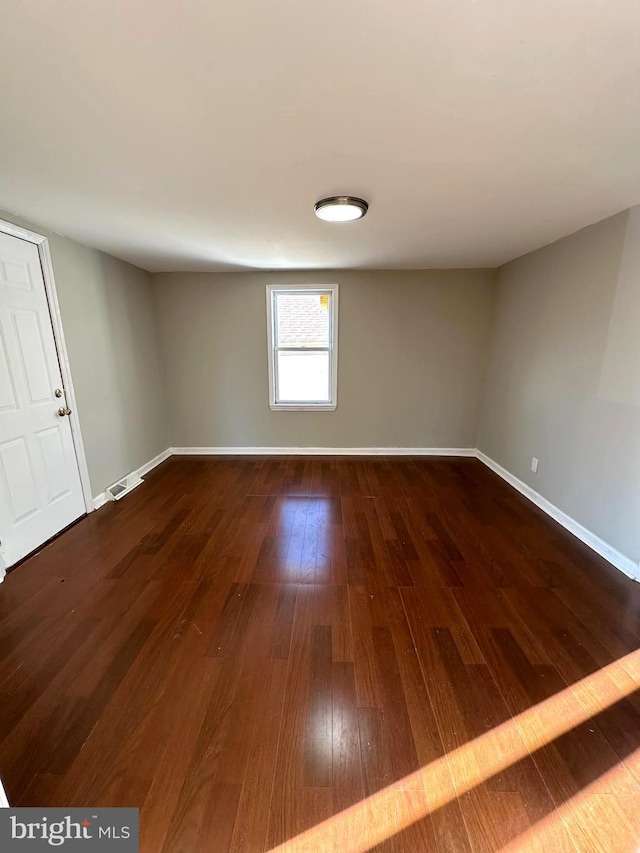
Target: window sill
column 285, row 407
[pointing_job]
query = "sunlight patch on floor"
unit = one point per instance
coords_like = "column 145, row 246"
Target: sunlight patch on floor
column 596, row 821
column 378, row 817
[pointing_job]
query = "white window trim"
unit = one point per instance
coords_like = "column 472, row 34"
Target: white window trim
column 333, row 348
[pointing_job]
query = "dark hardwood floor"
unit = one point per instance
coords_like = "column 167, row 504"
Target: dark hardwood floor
column 246, row 647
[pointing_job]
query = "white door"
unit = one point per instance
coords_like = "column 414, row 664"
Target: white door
column 40, row 489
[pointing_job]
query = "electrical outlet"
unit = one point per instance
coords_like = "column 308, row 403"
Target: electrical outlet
column 534, row 465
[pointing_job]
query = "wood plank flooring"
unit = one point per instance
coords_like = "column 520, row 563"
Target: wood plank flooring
column 326, row 654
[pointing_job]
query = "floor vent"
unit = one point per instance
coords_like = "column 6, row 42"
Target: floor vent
column 123, row 487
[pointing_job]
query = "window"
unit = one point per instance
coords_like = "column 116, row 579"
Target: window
column 303, row 347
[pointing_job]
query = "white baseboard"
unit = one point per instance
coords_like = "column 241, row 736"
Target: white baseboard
column 323, row 451
column 102, row 498
column 153, row 463
column 612, row 555
column 625, row 564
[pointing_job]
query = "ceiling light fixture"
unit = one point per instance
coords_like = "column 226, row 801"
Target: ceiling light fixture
column 340, row 208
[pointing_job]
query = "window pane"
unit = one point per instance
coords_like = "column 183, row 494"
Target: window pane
column 303, row 377
column 302, row 319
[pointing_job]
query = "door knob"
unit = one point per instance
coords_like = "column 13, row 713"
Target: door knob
column 63, row 410
column 58, row 392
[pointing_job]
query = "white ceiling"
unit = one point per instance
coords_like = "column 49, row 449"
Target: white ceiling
column 198, row 134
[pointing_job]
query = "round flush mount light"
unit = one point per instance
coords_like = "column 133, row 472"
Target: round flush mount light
column 341, row 208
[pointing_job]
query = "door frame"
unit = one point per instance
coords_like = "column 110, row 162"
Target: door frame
column 44, row 254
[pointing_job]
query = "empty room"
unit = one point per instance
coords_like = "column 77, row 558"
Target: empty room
column 320, row 426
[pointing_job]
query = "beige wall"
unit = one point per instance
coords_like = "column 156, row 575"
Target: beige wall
column 557, row 328
column 111, row 336
column 412, row 356
column 564, row 377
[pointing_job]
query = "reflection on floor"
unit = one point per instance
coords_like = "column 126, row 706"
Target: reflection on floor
column 327, row 654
